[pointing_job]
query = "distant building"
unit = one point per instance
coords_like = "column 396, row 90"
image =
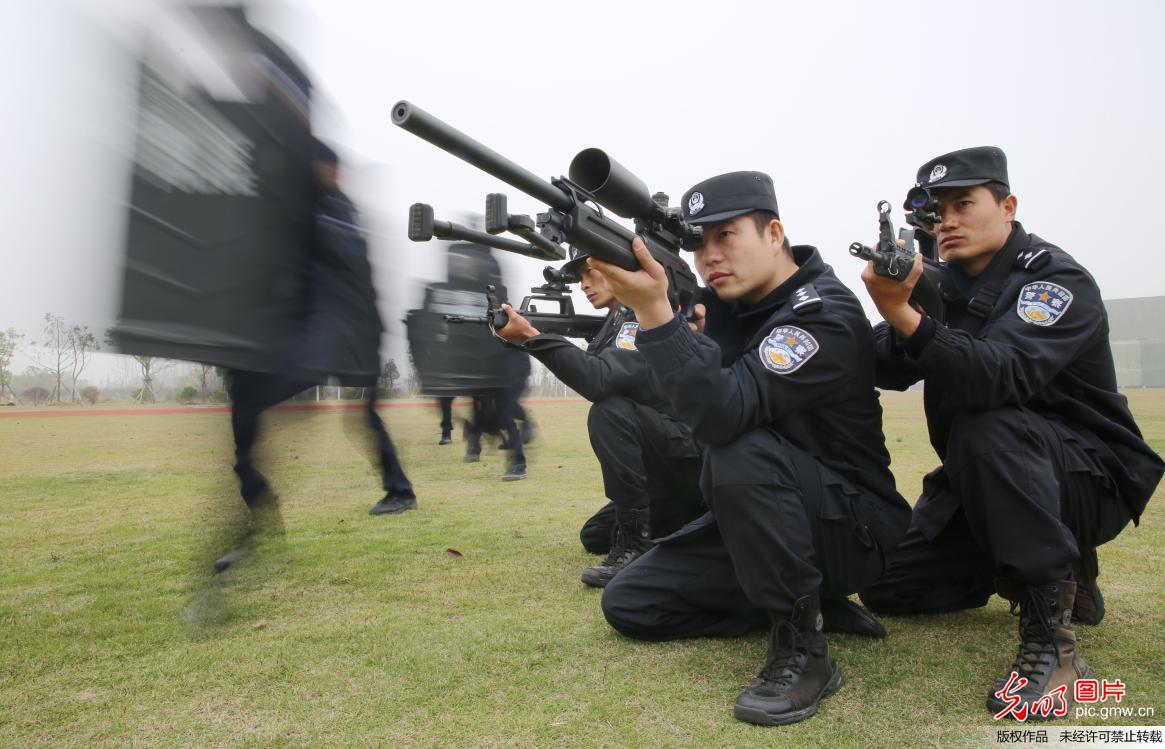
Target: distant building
column 1137, row 333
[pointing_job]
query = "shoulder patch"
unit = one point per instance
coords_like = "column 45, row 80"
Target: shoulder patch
column 1043, row 303
column 1032, row 259
column 625, row 338
column 786, row 349
column 806, row 299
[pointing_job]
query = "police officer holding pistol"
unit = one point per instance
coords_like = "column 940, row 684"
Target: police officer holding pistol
column 1041, row 459
column 649, row 461
column 779, row 388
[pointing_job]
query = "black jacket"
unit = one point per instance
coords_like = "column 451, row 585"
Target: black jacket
column 800, row 363
column 1044, row 347
column 341, row 333
column 610, row 367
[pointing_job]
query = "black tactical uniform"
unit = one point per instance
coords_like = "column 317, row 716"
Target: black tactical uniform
column 1040, row 453
column 1041, row 458
column 465, row 360
column 795, row 472
column 795, row 467
column 339, row 336
column 649, row 461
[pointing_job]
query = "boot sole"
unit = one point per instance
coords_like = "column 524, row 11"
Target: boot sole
column 594, row 580
column 759, row 717
column 392, row 511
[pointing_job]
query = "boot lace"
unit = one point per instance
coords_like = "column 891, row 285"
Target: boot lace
column 1037, row 641
column 783, row 663
column 619, row 548
column 624, row 545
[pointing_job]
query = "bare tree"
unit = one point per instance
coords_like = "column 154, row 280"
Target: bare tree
column 204, row 374
column 150, row 366
column 55, row 354
column 9, row 341
column 82, row 345
column 391, row 376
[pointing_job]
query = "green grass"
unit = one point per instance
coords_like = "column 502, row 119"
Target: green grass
column 361, row 631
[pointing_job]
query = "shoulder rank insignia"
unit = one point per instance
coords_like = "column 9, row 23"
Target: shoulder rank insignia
column 1032, row 259
column 626, row 336
column 806, row 299
column 786, row 349
column 1043, row 303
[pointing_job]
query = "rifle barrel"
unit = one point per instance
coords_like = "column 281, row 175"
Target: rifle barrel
column 427, row 127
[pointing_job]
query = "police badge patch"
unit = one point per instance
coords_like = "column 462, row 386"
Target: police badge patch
column 1043, row 303
column 626, row 337
column 786, row 349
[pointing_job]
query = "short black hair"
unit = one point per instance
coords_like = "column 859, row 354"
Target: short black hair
column 999, row 190
column 762, row 219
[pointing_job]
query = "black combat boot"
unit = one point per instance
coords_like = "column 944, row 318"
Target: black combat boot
column 851, row 618
column 394, row 503
column 1089, row 605
column 1047, row 655
column 798, row 672
column 472, row 439
column 630, row 539
column 516, row 472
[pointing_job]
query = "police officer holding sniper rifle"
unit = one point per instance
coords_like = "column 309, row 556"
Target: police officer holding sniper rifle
column 1041, row 459
column 649, row 461
column 779, row 389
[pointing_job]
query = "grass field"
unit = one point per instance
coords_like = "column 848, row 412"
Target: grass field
column 361, row 631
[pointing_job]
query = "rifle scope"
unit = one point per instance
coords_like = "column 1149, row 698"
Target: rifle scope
column 612, row 184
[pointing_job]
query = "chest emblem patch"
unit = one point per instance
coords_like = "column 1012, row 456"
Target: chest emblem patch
column 626, row 337
column 1043, row 303
column 786, row 349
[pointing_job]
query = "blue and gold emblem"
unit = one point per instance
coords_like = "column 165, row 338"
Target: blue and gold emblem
column 1043, row 303
column 626, row 337
column 786, row 349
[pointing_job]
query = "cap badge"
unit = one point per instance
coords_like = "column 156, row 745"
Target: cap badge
column 695, row 203
column 938, row 172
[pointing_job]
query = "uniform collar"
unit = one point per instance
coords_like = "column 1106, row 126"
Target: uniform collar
column 809, row 266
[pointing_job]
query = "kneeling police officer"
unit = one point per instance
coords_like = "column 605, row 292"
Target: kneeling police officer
column 649, row 461
column 779, row 388
column 1041, row 458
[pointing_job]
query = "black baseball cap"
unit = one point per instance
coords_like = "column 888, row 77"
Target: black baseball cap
column 728, row 196
column 571, row 269
column 963, row 168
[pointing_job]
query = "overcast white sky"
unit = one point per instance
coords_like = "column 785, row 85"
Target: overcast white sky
column 839, row 101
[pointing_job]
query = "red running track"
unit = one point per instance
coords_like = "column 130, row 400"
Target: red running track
column 226, row 409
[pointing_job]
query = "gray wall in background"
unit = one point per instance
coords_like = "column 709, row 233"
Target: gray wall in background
column 1137, row 332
